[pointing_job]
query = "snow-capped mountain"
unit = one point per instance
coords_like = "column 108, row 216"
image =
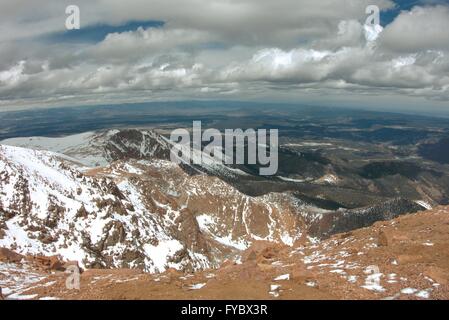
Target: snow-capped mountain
column 112, row 199
column 101, row 148
column 49, row 207
column 94, row 149
column 147, row 214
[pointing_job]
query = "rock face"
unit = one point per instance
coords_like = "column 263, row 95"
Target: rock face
column 9, row 256
column 413, row 263
column 142, row 214
column 113, row 200
column 343, row 220
column 136, row 144
column 51, row 207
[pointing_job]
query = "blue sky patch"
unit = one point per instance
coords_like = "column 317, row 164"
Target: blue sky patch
column 97, row 33
column 387, row 17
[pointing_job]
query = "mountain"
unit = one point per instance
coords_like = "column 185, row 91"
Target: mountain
column 112, row 199
column 404, row 258
column 93, row 149
column 134, row 213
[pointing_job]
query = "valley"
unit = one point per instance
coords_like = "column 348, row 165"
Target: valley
column 111, row 199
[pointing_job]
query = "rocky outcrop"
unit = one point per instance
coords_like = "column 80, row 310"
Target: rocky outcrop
column 142, row 211
column 136, row 144
column 343, row 220
column 150, row 215
column 9, row 256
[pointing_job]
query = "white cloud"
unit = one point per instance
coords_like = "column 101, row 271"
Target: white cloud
column 417, row 30
column 244, row 49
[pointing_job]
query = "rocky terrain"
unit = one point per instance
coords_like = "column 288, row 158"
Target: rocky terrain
column 405, row 258
column 112, row 203
column 136, row 214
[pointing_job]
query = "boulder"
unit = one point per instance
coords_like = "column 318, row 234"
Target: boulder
column 301, row 275
column 10, row 256
column 49, row 263
column 261, row 251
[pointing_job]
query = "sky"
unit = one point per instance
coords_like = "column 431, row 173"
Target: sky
column 299, row 51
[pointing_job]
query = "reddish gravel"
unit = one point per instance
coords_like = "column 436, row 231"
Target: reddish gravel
column 405, row 258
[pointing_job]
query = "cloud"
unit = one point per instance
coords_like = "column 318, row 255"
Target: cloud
column 147, row 42
column 418, row 30
column 209, row 49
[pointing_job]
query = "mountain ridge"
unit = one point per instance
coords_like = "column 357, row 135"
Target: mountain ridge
column 139, row 210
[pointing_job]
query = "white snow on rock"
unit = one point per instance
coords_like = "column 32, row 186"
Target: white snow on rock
column 274, row 287
column 424, row 204
column 52, row 208
column 372, row 281
column 311, row 284
column 162, row 252
column 16, row 279
column 197, row 286
column 423, row 294
column 85, row 147
column 329, row 179
column 282, row 277
column 114, row 216
column 291, row 179
column 207, row 224
column 409, row 290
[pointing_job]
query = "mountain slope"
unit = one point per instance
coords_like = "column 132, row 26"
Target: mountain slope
column 94, row 149
column 49, row 207
column 137, row 214
column 405, row 258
